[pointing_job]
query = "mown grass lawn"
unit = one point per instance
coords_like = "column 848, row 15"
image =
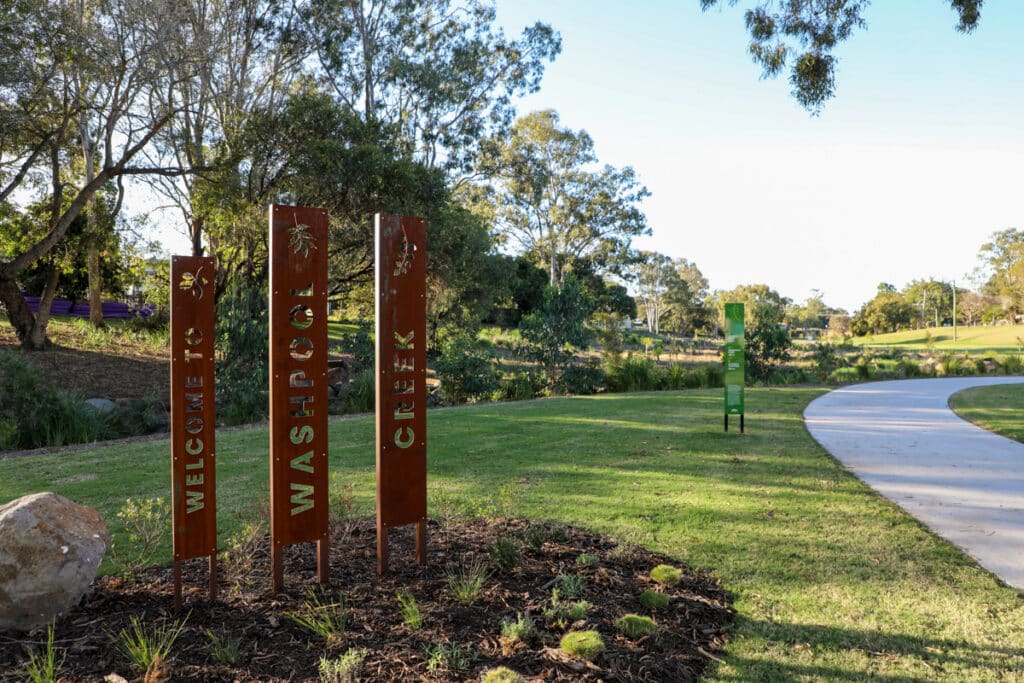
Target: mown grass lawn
column 999, row 408
column 830, row 581
column 977, row 339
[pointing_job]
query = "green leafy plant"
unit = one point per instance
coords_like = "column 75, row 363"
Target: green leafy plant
column 325, row 619
column 504, row 554
column 582, row 644
column 466, row 372
column 522, row 629
column 653, row 599
column 666, row 575
column 586, row 560
column 241, row 340
column 411, row 615
column 44, row 667
column 635, row 626
column 223, row 650
column 143, row 646
column 561, row 611
column 502, row 675
column 571, row 585
column 450, row 656
column 466, row 581
column 144, row 523
column 344, row 669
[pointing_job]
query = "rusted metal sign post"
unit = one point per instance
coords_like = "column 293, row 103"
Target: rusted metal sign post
column 298, row 384
column 193, row 470
column 401, row 266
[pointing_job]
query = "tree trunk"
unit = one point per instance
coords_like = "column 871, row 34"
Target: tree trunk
column 18, row 311
column 95, row 288
column 37, row 340
column 196, row 233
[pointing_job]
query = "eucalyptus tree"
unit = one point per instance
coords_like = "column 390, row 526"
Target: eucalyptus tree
column 439, row 71
column 802, row 34
column 1003, row 255
column 551, row 200
column 82, row 80
column 655, row 276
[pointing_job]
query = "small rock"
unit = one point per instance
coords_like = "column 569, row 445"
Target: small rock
column 50, row 550
column 103, row 405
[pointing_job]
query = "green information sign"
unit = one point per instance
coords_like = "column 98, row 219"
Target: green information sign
column 734, row 361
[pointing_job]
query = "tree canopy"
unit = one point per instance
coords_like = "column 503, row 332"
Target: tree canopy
column 801, row 35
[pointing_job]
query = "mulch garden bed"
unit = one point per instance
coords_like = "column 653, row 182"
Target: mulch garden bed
column 456, row 642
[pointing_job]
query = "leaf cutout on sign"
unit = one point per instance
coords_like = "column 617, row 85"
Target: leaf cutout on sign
column 194, row 282
column 300, row 238
column 407, row 251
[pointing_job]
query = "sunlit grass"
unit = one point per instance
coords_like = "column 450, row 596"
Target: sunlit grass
column 998, row 408
column 977, row 339
column 830, row 582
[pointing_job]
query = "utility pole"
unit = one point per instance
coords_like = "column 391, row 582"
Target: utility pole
column 954, row 310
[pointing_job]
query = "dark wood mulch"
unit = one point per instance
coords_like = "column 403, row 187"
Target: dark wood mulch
column 272, row 647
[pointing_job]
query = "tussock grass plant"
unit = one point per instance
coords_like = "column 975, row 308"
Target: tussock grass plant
column 502, row 675
column 146, row 646
column 571, row 585
column 635, row 626
column 449, row 656
column 653, row 600
column 582, row 644
column 44, row 666
column 326, row 619
column 343, row 669
column 466, row 580
column 504, row 554
column 522, row 629
column 666, row 575
column 586, row 560
column 223, row 650
column 411, row 615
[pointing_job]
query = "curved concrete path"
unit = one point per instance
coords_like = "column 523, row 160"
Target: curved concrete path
column 902, row 439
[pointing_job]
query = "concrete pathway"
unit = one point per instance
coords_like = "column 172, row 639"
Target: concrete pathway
column 963, row 482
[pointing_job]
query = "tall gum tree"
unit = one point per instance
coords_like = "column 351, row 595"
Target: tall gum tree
column 550, row 199
column 57, row 48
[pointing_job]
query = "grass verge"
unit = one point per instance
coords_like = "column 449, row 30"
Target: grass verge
column 998, row 408
column 977, row 338
column 830, row 581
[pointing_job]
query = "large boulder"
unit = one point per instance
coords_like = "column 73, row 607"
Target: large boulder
column 50, row 550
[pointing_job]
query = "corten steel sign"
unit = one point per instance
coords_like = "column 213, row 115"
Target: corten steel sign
column 193, row 493
column 401, row 268
column 734, row 363
column 298, row 383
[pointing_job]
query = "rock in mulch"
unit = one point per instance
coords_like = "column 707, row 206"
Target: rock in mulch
column 50, row 550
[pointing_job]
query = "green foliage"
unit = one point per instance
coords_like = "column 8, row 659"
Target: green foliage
column 561, row 611
column 522, row 629
column 242, row 339
column 553, row 331
column 520, row 386
column 325, row 619
column 666, row 574
column 44, row 667
column 634, row 626
column 34, row 413
column 504, row 553
column 223, row 650
column 362, row 392
column 586, row 560
column 1011, row 364
column 653, row 599
column 502, row 675
column 466, row 372
column 344, row 669
column 450, row 657
column 582, row 644
column 359, row 345
column 411, row 615
column 571, row 585
column 581, row 380
column 466, row 581
column 632, row 373
column 144, row 522
column 767, row 342
column 826, row 358
column 142, row 645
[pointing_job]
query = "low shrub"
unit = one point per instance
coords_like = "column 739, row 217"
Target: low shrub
column 504, row 553
column 666, row 575
column 521, row 386
column 522, row 629
column 466, row 372
column 581, row 380
column 582, row 644
column 634, row 626
column 653, row 599
column 841, row 375
column 502, row 675
column 362, row 393
column 632, row 373
column 1011, row 364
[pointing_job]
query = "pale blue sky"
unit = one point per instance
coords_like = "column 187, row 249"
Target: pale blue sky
column 907, row 171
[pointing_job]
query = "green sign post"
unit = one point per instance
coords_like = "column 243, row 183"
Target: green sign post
column 734, row 363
